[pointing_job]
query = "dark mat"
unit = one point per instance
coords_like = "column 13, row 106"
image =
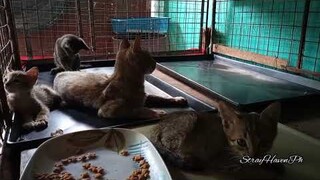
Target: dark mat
column 76, row 119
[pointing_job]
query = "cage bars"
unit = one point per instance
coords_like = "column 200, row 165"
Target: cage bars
column 284, row 29
column 91, row 19
column 303, row 33
column 9, row 56
column 79, row 18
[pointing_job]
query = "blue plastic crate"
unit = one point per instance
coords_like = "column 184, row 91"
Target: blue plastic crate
column 141, row 25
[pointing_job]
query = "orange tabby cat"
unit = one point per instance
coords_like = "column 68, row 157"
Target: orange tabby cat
column 120, row 95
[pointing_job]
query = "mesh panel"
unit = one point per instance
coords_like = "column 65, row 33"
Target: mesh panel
column 40, row 23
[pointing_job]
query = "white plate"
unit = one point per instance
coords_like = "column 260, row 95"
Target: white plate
column 105, row 143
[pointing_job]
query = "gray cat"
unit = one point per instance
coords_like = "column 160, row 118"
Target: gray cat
column 29, row 101
column 194, row 140
column 66, row 53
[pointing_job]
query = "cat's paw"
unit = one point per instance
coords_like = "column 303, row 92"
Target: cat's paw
column 35, row 125
column 180, row 101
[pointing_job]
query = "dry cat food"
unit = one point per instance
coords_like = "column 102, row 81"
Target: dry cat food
column 82, row 157
column 142, row 173
column 124, row 152
column 59, row 173
column 54, row 176
column 85, row 175
column 58, row 132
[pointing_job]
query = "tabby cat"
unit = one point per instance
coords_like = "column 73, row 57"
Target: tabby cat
column 29, row 101
column 120, row 95
column 193, row 140
column 66, row 53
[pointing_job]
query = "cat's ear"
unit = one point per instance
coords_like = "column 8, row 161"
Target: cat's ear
column 7, row 70
column 124, row 44
column 82, row 45
column 227, row 114
column 32, row 74
column 267, row 126
column 67, row 49
column 137, row 44
column 270, row 116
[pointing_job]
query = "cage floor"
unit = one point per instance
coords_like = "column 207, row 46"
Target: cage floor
column 76, row 119
column 234, row 82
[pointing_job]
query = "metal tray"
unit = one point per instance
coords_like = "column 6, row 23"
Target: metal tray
column 72, row 120
column 245, row 86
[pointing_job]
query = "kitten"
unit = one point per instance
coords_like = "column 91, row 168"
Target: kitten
column 66, row 53
column 31, row 102
column 194, row 140
column 119, row 95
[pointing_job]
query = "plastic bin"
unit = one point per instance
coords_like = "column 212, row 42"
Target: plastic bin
column 141, row 25
column 158, row 43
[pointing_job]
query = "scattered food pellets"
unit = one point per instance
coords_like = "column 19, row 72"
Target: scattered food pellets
column 86, row 165
column 100, row 170
column 98, row 175
column 142, row 173
column 58, row 169
column 85, row 175
column 124, row 152
column 58, row 132
column 137, row 158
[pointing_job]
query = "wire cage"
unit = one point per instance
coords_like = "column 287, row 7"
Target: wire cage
column 285, row 30
column 166, row 26
column 9, row 56
column 29, row 29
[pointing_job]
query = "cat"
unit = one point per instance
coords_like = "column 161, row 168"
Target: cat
column 120, row 95
column 29, row 101
column 66, row 53
column 193, row 140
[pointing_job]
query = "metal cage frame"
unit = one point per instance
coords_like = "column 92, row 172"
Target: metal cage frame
column 9, row 56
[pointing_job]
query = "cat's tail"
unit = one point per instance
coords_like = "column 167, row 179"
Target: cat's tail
column 56, row 102
column 48, row 96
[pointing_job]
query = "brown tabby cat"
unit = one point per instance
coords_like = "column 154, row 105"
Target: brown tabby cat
column 66, row 53
column 194, row 140
column 31, row 102
column 120, row 95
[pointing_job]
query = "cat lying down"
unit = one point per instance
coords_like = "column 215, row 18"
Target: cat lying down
column 120, row 95
column 29, row 101
column 193, row 140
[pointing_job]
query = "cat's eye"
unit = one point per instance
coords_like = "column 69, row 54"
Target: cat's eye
column 241, row 142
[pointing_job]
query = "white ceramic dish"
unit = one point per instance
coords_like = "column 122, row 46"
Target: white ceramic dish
column 105, row 143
